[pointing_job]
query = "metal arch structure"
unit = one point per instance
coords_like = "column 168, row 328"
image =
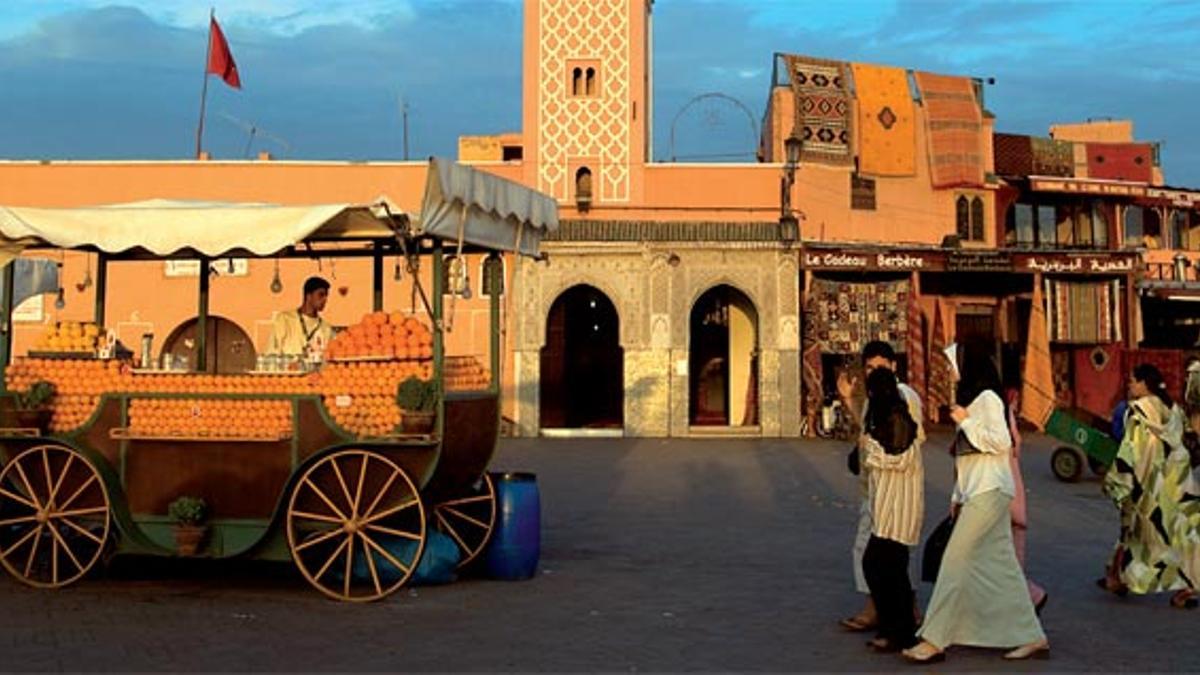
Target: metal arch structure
column 710, row 96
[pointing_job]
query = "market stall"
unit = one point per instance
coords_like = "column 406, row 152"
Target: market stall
column 322, row 460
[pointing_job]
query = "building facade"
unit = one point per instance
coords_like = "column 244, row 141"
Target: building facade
column 674, row 300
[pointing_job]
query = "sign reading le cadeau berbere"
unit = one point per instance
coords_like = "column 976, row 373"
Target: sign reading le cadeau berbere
column 869, row 260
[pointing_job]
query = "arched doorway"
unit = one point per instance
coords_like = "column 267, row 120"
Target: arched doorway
column 582, row 364
column 723, row 359
column 228, row 348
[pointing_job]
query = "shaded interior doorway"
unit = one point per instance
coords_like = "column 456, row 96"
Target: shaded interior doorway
column 582, row 364
column 723, row 359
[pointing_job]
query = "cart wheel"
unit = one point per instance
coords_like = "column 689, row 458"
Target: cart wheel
column 56, row 519
column 1099, row 468
column 1067, row 464
column 470, row 519
column 356, row 526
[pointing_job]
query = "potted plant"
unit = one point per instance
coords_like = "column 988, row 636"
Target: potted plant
column 417, row 398
column 29, row 409
column 189, row 514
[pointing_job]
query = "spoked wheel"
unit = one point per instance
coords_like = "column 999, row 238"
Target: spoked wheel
column 356, row 526
column 56, row 516
column 469, row 519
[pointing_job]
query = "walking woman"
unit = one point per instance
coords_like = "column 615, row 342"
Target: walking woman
column 1017, row 511
column 1151, row 483
column 891, row 451
column 980, row 598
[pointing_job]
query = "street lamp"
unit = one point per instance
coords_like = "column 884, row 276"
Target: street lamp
column 789, row 225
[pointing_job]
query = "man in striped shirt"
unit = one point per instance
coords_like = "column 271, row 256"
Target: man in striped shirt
column 876, row 354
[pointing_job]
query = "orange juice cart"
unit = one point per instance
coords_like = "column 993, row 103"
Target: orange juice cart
column 305, row 464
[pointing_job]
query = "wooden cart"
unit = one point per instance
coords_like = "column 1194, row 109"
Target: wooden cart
column 352, row 512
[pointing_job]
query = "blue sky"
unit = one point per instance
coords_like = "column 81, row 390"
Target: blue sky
column 89, row 79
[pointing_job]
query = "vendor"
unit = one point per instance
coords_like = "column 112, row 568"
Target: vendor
column 295, row 331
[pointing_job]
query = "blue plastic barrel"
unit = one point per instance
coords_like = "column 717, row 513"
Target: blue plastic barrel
column 516, row 543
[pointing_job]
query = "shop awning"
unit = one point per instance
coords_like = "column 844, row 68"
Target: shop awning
column 165, row 227
column 463, row 204
column 492, row 212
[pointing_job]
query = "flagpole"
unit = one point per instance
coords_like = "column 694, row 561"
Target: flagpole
column 212, row 13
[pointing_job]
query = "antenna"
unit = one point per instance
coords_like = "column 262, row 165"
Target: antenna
column 253, row 130
column 404, row 120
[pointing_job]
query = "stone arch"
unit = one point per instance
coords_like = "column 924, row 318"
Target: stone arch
column 581, row 362
column 614, row 296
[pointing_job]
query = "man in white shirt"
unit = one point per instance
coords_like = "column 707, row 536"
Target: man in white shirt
column 876, row 354
column 295, row 331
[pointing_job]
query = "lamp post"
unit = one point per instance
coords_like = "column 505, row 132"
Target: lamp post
column 789, row 225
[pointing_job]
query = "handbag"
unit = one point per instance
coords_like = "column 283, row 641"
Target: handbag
column 935, row 548
column 961, row 445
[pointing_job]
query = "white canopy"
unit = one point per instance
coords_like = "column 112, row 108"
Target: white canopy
column 496, row 212
column 463, row 204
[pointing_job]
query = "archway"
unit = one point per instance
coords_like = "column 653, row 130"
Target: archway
column 723, row 359
column 582, row 364
column 228, row 348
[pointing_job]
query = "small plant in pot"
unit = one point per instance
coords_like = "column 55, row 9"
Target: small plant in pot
column 190, row 515
column 30, row 408
column 417, row 398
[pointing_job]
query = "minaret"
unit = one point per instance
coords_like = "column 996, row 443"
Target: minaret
column 586, row 99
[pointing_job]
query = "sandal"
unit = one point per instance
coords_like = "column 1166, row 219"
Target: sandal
column 883, row 645
column 858, row 624
column 1114, row 587
column 1185, row 600
column 924, row 653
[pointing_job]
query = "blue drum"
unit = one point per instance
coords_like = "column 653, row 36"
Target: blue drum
column 516, row 542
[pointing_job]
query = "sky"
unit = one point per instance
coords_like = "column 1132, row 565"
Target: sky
column 327, row 79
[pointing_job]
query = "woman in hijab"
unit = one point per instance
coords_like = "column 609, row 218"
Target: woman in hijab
column 980, row 598
column 1151, row 483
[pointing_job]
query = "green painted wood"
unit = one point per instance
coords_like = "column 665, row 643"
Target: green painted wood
column 377, row 277
column 202, row 319
column 6, row 333
column 101, row 287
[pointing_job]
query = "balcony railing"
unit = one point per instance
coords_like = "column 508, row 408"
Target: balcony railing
column 1165, row 271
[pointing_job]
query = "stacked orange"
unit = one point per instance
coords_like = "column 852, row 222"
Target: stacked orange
column 385, row 336
column 361, row 397
column 466, row 373
column 215, row 418
column 69, row 336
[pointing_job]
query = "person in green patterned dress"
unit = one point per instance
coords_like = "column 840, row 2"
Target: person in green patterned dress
column 1151, row 483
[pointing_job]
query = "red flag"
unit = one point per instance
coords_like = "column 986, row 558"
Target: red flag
column 220, row 59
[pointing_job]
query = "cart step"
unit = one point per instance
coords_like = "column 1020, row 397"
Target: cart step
column 124, row 434
column 20, row 432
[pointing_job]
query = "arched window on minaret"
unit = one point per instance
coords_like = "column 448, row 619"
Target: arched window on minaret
column 583, row 187
column 591, row 82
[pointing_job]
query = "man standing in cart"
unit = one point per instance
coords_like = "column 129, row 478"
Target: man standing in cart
column 299, row 331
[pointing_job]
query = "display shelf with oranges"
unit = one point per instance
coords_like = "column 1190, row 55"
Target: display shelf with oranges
column 207, row 419
column 68, row 339
column 382, row 336
column 360, row 398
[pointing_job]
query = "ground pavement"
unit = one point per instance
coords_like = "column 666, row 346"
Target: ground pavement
column 715, row 555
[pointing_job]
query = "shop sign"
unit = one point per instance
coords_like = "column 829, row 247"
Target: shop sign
column 1182, row 198
column 1088, row 187
column 864, row 261
column 979, row 261
column 1079, row 264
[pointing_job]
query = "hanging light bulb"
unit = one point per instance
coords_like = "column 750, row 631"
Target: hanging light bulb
column 396, row 275
column 87, row 275
column 276, row 284
column 60, row 301
column 231, row 265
